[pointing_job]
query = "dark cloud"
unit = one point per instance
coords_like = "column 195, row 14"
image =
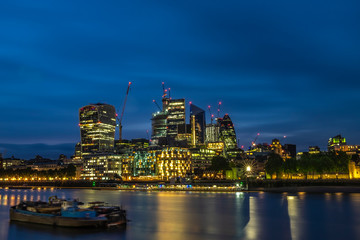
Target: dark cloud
column 279, row 67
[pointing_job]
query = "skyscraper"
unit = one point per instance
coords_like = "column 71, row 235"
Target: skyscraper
column 227, row 133
column 97, row 128
column 159, row 127
column 200, row 124
column 175, row 109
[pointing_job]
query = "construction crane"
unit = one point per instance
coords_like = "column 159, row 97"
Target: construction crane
column 147, row 133
column 211, row 115
column 157, row 105
column 164, row 90
column 122, row 113
column 253, row 143
column 219, row 109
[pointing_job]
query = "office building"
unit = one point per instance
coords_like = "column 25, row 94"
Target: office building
column 227, row 133
column 335, row 142
column 175, row 109
column 199, row 124
column 97, row 128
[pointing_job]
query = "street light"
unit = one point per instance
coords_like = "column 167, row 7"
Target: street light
column 248, row 170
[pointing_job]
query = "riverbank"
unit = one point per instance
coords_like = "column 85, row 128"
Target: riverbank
column 275, row 186
column 307, row 189
column 310, row 189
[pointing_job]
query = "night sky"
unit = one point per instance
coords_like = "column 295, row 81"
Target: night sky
column 279, row 67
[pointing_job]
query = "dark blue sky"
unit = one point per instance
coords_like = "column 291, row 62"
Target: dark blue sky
column 279, row 67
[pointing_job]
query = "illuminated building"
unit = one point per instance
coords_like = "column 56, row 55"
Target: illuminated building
column 335, row 142
column 354, row 170
column 199, row 123
column 168, row 126
column 175, row 109
column 227, row 132
column 173, row 163
column 101, row 166
column 259, row 152
column 12, row 162
column 212, row 132
column 138, row 163
column 227, row 135
column 202, row 158
column 290, row 150
column 159, row 127
column 133, row 144
column 97, row 128
column 276, row 147
column 314, row 150
column 216, row 146
column 77, row 154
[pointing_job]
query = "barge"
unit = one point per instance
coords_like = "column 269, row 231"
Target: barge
column 68, row 214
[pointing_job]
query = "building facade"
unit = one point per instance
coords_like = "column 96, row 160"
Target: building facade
column 97, row 128
column 199, row 123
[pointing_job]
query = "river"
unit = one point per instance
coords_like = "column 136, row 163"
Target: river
column 199, row 215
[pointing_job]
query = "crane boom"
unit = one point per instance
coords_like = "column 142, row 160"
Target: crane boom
column 211, row 115
column 254, row 142
column 157, row 105
column 219, row 109
column 122, row 112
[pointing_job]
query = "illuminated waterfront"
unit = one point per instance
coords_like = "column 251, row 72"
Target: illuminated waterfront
column 187, row 215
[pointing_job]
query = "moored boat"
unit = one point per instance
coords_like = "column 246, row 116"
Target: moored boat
column 68, row 215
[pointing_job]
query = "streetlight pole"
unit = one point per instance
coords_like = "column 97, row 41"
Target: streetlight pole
column 248, row 170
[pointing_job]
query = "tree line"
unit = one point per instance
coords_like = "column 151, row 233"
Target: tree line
column 67, row 172
column 308, row 164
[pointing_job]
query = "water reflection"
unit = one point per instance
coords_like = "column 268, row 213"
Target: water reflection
column 178, row 215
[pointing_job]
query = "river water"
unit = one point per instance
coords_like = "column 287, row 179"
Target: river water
column 194, row 215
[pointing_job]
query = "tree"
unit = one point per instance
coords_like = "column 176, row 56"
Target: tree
column 290, row 166
column 219, row 163
column 274, row 165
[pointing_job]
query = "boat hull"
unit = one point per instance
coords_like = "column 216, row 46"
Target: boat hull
column 54, row 220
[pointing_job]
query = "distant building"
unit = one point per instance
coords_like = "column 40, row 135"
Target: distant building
column 159, row 127
column 276, row 147
column 97, row 128
column 314, row 150
column 175, row 109
column 200, row 123
column 290, row 150
column 77, row 153
column 101, row 166
column 212, row 132
column 164, row 163
column 12, row 162
column 336, row 142
column 202, row 158
column 227, row 133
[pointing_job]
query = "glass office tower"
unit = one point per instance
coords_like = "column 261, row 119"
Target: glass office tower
column 97, row 128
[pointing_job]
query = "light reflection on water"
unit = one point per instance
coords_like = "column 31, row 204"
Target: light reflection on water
column 186, row 215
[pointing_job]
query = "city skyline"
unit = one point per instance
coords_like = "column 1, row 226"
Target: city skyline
column 276, row 72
